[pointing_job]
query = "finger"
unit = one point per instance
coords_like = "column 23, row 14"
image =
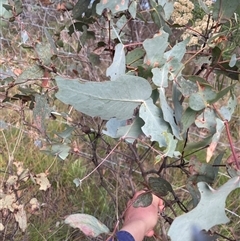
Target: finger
column 149, row 233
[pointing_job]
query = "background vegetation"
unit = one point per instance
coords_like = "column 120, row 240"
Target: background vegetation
column 61, row 154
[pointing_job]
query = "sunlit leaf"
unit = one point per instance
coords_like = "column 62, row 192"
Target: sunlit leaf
column 155, row 125
column 171, row 144
column 88, row 224
column 160, row 76
column 233, row 60
column 212, row 204
column 42, row 180
column 21, row 217
column 105, row 99
column 118, row 66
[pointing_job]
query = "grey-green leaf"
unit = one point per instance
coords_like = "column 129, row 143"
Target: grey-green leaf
column 118, row 66
column 113, row 5
column 212, row 204
column 132, row 131
column 105, row 99
column 155, row 49
column 155, row 125
column 168, row 114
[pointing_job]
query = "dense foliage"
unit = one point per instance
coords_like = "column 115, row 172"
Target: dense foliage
column 147, row 91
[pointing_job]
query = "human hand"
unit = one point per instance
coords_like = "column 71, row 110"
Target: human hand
column 141, row 221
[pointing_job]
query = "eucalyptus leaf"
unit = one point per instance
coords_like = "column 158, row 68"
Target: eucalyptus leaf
column 44, row 52
column 155, row 48
column 113, row 5
column 41, row 111
column 160, row 76
column 188, row 118
column 233, row 60
column 112, row 127
column 80, row 8
column 133, row 9
column 88, row 224
column 168, row 115
column 118, row 66
column 224, row 9
column 212, row 204
column 132, row 131
column 105, row 99
column 155, row 125
column 143, row 200
column 159, row 186
column 207, row 120
column 31, row 72
column 171, row 145
column 227, row 111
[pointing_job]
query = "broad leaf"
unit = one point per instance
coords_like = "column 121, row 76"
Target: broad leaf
column 188, row 118
column 117, row 68
column 201, row 99
column 171, row 145
column 186, row 87
column 155, row 48
column 159, row 186
column 113, row 5
column 44, row 52
column 160, row 76
column 80, row 8
column 212, row 204
column 173, row 59
column 155, row 126
column 224, row 9
column 105, row 99
column 112, row 127
column 227, row 111
column 88, row 224
column 41, row 112
column 207, row 120
column 133, row 9
column 33, row 72
column 168, row 115
column 131, row 132
column 143, row 200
